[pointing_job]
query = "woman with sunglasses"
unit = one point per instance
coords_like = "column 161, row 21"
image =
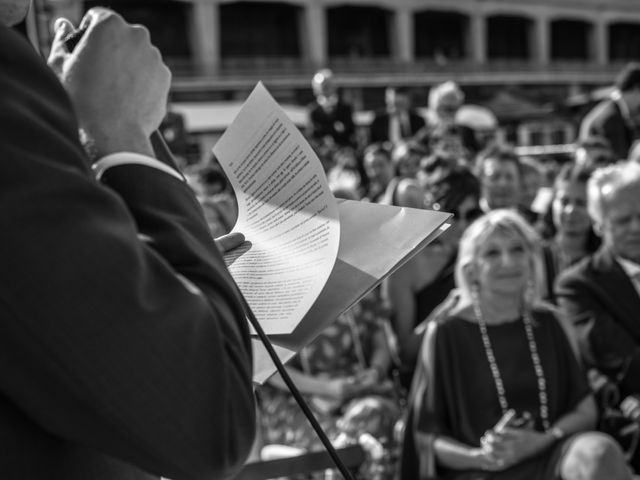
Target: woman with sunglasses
column 426, row 280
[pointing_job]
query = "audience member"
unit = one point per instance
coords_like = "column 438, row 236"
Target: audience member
column 406, row 157
column 215, row 195
column 126, row 352
column 342, row 373
column 499, row 393
column 422, row 283
column 617, row 118
column 329, row 115
column 447, row 140
column 445, row 101
column 600, row 295
column 566, row 226
column 398, row 121
column 594, row 152
column 500, row 173
column 532, row 181
column 345, row 175
column 384, row 185
column 378, row 168
column 174, row 132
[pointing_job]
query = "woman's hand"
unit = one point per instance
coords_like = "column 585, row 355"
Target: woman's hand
column 513, row 445
column 341, row 389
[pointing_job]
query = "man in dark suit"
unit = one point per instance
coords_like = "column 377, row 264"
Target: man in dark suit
column 124, row 349
column 330, row 117
column 600, row 296
column 398, row 121
column 617, row 118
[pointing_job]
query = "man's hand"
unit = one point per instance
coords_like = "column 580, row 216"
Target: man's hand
column 229, row 241
column 117, row 81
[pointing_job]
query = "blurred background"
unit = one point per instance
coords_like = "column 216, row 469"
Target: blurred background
column 535, row 65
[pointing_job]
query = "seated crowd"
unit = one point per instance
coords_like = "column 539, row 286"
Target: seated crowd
column 509, row 347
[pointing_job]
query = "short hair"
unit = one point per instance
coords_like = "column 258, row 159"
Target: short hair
column 377, row 148
column 502, row 153
column 447, row 193
column 509, row 222
column 445, row 89
column 629, row 77
column 606, row 179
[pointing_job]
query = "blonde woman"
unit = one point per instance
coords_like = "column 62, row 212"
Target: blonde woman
column 499, row 393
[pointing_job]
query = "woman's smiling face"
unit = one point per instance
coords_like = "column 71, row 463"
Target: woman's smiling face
column 503, row 264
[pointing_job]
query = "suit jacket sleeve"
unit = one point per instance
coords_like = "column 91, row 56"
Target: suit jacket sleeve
column 603, row 342
column 121, row 329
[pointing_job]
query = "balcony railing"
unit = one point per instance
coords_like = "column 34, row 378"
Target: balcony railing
column 362, row 72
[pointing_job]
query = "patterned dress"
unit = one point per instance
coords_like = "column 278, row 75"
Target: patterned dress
column 342, row 349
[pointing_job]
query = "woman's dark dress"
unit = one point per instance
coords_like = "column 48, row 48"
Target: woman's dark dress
column 461, row 400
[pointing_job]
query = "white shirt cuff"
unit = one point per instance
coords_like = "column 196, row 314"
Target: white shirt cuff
column 126, row 158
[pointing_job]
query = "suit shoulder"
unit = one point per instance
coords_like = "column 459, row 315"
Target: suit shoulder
column 581, row 275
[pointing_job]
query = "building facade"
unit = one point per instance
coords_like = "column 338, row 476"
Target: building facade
column 219, row 49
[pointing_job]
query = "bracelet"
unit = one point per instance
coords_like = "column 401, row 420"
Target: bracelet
column 557, row 433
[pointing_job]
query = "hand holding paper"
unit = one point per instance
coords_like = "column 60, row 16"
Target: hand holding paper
column 307, row 258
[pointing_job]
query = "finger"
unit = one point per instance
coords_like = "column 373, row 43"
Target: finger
column 95, row 15
column 63, row 28
column 229, row 241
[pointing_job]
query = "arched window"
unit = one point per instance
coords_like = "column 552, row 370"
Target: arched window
column 624, row 41
column 259, row 29
column 509, row 37
column 167, row 21
column 570, row 40
column 358, row 32
column 439, row 34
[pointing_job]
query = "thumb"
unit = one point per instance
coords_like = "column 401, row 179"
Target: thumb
column 63, row 28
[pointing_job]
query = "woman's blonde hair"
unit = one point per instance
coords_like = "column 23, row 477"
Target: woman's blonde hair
column 510, row 223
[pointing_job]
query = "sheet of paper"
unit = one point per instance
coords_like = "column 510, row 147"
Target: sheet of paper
column 375, row 240
column 286, row 212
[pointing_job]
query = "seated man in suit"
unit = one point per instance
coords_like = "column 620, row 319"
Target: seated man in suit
column 601, row 294
column 398, row 121
column 125, row 350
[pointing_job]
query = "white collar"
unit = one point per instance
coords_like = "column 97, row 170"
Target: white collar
column 632, row 269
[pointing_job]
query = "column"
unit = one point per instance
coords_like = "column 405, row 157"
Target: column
column 478, row 38
column 205, row 35
column 403, row 35
column 541, row 40
column 315, row 34
column 601, row 42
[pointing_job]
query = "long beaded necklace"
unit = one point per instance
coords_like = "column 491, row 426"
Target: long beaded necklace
column 495, row 371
